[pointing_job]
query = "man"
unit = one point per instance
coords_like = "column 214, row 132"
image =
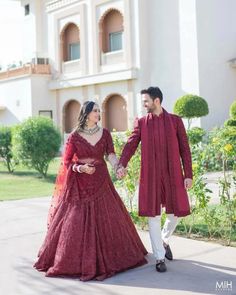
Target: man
column 166, row 171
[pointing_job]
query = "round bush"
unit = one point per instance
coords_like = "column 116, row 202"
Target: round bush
column 191, row 106
column 5, row 141
column 228, row 134
column 230, row 122
column 6, row 147
column 195, row 135
column 233, row 110
column 36, row 142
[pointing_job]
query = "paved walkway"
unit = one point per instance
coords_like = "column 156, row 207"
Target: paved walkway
column 198, row 268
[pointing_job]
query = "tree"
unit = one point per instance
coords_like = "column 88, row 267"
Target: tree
column 191, row 106
column 195, row 135
column 232, row 120
column 36, row 142
column 233, row 110
column 6, row 147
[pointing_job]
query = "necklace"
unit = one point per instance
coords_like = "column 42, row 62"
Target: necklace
column 91, row 131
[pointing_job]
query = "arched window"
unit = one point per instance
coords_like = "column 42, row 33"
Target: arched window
column 115, row 113
column 111, row 31
column 70, row 43
column 70, row 115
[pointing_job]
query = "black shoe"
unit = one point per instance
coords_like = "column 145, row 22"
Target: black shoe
column 161, row 266
column 168, row 254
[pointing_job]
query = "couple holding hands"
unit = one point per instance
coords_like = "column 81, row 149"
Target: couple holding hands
column 90, row 233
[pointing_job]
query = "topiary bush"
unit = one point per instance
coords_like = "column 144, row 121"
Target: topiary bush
column 36, row 142
column 230, row 122
column 195, row 135
column 6, row 147
column 191, row 106
column 233, row 110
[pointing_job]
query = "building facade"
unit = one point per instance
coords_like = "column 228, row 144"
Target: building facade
column 108, row 50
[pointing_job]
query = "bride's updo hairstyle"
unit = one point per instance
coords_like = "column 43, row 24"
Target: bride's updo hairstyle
column 86, row 109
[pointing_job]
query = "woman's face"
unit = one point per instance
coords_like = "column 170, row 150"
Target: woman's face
column 94, row 116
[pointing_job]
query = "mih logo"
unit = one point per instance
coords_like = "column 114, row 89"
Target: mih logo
column 224, row 286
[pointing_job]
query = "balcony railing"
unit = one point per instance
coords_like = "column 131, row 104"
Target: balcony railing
column 26, row 70
column 56, row 4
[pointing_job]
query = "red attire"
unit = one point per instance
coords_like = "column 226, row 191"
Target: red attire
column 164, row 144
column 91, row 235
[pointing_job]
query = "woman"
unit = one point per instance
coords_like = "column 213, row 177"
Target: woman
column 90, row 233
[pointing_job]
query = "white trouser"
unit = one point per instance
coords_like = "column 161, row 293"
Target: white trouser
column 159, row 236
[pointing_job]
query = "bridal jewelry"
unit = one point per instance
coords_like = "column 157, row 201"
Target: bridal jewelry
column 91, row 131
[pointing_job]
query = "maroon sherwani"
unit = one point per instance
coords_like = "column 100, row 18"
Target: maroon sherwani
column 165, row 162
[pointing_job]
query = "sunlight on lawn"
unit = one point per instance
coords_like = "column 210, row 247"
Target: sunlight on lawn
column 26, row 183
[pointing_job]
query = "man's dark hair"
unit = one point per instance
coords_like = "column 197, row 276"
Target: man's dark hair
column 153, row 92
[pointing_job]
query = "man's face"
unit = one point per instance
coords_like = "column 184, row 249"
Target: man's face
column 148, row 103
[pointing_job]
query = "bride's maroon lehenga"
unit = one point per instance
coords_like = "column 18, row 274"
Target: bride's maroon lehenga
column 91, row 235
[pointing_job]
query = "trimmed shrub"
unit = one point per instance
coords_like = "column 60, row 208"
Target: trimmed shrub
column 233, row 110
column 6, row 147
column 191, row 106
column 36, row 142
column 195, row 135
column 230, row 122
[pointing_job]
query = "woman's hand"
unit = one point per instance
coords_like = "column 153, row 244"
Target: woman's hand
column 120, row 172
column 87, row 168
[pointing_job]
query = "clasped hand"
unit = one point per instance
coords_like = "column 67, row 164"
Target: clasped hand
column 121, row 172
column 87, row 168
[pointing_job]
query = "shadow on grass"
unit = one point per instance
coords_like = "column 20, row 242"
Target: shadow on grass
column 50, row 178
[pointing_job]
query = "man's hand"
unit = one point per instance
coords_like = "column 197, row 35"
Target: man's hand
column 121, row 172
column 188, row 182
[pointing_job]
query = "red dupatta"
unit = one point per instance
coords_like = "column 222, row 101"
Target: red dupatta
column 67, row 161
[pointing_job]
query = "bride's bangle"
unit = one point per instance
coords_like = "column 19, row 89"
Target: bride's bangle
column 76, row 168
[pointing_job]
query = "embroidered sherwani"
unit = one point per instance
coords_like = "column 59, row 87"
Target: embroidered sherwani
column 165, row 162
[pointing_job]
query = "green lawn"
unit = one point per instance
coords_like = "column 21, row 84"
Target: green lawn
column 24, row 183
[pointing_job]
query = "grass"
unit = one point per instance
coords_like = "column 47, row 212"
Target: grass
column 200, row 230
column 26, row 183
column 219, row 231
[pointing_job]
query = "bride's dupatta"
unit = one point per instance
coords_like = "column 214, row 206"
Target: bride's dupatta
column 68, row 159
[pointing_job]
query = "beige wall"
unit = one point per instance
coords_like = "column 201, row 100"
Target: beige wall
column 178, row 45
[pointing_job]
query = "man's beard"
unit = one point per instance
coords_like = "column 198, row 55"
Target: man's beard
column 150, row 111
